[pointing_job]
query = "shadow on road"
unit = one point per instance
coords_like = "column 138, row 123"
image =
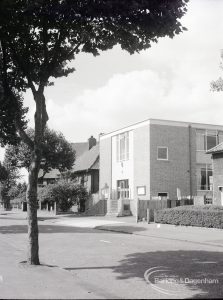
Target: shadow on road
column 128, row 229
column 200, row 271
column 187, row 265
column 15, row 229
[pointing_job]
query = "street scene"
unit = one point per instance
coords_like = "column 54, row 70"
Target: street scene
column 111, row 149
column 79, row 253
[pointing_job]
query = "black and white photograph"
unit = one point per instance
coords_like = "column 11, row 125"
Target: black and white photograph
column 111, row 149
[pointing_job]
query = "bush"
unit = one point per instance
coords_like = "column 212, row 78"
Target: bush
column 64, row 193
column 201, row 216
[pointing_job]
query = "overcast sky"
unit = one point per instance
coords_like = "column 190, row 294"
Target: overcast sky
column 171, row 81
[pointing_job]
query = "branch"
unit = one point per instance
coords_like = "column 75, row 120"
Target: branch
column 55, row 50
column 23, row 135
column 74, row 49
column 45, row 50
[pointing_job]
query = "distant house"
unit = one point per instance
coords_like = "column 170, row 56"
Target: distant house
column 91, row 176
column 48, row 178
column 86, row 169
column 217, row 163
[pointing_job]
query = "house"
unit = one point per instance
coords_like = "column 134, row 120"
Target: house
column 54, row 174
column 49, row 177
column 86, row 168
column 156, row 159
column 217, row 163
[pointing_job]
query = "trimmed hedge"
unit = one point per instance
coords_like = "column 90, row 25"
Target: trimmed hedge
column 201, row 216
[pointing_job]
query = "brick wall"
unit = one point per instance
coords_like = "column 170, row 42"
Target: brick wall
column 167, row 176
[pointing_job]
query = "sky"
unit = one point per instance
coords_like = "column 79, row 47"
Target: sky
column 171, row 80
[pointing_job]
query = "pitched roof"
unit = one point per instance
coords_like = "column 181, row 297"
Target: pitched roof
column 80, row 148
column 54, row 173
column 88, row 160
column 216, row 149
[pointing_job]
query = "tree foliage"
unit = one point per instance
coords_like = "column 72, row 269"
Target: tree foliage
column 12, row 113
column 9, row 176
column 40, row 37
column 64, row 193
column 3, row 173
column 57, row 152
column 217, row 85
column 17, row 190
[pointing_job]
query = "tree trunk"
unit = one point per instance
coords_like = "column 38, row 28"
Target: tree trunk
column 31, row 197
column 41, row 118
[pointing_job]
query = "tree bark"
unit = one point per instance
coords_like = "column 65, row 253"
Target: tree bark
column 41, row 118
column 31, row 196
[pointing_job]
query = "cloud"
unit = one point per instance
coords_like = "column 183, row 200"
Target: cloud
column 135, row 96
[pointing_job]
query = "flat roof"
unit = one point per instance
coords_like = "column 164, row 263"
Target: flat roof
column 162, row 122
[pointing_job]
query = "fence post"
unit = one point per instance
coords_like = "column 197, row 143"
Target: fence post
column 148, row 216
column 137, row 209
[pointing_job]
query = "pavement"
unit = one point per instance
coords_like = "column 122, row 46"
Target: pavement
column 109, row 258
column 128, row 225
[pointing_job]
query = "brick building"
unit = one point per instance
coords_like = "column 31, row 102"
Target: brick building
column 217, row 163
column 157, row 158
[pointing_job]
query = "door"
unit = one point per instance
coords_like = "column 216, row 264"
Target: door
column 123, row 189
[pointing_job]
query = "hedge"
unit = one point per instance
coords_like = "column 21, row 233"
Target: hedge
column 201, row 216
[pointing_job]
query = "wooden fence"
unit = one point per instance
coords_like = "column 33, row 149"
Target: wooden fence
column 145, row 208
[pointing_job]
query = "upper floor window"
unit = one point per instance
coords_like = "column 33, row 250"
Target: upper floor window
column 162, row 153
column 204, row 175
column 122, row 146
column 207, row 139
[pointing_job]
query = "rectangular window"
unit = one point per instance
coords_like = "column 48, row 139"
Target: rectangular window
column 122, row 146
column 163, row 196
column 123, row 189
column 200, row 140
column 204, row 175
column 162, row 153
column 220, row 137
column 211, row 139
column 207, row 139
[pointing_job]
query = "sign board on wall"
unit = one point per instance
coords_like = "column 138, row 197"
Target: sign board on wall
column 141, row 190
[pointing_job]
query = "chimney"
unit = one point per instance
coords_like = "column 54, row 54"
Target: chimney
column 91, row 142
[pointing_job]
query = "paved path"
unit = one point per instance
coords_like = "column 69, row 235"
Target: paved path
column 83, row 262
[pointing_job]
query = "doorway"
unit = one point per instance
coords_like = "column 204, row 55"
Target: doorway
column 123, row 189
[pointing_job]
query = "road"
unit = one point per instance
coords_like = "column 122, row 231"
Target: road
column 79, row 261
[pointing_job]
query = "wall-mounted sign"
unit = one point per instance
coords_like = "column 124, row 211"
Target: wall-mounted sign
column 141, row 190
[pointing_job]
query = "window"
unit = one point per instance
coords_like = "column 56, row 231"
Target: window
column 211, row 141
column 204, row 176
column 122, row 146
column 163, row 195
column 162, row 153
column 207, row 139
column 220, row 137
column 123, row 189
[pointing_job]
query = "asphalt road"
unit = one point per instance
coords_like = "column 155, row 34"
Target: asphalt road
column 82, row 262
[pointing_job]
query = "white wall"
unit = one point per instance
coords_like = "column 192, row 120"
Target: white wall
column 124, row 169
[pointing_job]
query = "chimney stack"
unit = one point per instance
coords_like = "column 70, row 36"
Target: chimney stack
column 91, row 142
